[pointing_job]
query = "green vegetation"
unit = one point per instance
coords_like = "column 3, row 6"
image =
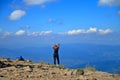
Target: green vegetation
column 90, row 69
column 80, row 72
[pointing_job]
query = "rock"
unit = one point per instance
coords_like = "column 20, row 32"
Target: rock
column 45, row 68
column 32, row 76
column 28, row 61
column 5, row 59
column 73, row 72
column 77, row 79
column 1, row 76
column 28, row 69
column 65, row 74
column 53, row 73
column 18, row 59
column 68, row 72
column 38, row 66
column 92, row 79
column 19, row 66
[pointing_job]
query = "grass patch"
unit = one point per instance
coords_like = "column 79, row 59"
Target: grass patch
column 80, row 72
column 90, row 69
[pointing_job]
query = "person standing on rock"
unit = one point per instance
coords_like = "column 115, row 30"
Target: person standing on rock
column 56, row 55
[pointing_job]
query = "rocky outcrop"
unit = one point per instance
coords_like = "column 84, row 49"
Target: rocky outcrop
column 3, row 65
column 27, row 70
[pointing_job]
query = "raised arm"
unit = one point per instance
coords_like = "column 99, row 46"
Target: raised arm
column 56, row 46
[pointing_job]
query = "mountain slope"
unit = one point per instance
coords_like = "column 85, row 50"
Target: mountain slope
column 27, row 70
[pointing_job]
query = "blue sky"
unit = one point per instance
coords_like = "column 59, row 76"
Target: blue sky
column 63, row 21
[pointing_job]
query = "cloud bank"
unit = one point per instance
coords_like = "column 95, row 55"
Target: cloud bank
column 90, row 30
column 91, row 35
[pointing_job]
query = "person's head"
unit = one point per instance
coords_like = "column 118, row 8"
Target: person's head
column 58, row 44
column 55, row 45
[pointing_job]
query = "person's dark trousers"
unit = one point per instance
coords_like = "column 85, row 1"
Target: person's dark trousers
column 56, row 56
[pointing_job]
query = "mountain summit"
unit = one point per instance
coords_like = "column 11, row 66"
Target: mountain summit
column 27, row 70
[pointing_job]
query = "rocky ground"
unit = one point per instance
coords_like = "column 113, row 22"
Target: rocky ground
column 27, row 70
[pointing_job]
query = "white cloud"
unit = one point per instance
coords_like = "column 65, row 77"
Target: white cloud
column 92, row 30
column 17, row 14
column 104, row 31
column 46, row 32
column 89, row 31
column 7, row 33
column 72, row 32
column 40, row 33
column 20, row 32
column 23, row 32
column 33, row 33
column 37, row 2
column 109, row 2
